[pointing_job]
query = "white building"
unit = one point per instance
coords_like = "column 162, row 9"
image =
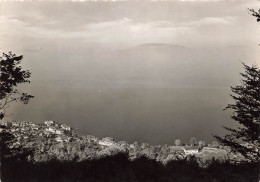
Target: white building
column 15, row 124
column 212, row 150
column 34, row 127
column 59, row 139
column 106, row 141
column 59, row 132
column 191, row 151
column 65, row 127
column 51, row 129
column 49, row 123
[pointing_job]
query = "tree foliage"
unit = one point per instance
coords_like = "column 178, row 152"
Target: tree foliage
column 193, row 141
column 246, row 111
column 118, row 168
column 255, row 14
column 177, row 142
column 11, row 75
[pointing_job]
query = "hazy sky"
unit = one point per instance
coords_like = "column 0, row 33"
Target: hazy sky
column 146, row 71
column 34, row 25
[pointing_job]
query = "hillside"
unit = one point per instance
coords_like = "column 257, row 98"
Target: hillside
column 51, row 140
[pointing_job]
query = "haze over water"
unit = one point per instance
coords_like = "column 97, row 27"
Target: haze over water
column 135, row 71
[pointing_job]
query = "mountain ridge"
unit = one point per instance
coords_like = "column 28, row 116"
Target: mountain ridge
column 154, row 45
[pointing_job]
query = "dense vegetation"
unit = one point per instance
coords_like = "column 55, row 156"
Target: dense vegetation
column 12, row 75
column 246, row 111
column 119, row 168
column 82, row 159
column 50, row 140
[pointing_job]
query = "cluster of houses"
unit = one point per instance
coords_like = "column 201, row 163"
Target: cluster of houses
column 190, row 150
column 50, row 129
column 25, row 132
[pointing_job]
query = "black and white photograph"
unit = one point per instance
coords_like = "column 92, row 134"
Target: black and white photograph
column 129, row 90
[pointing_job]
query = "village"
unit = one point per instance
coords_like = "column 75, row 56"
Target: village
column 57, row 135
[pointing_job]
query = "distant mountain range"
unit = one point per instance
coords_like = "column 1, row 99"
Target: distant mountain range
column 161, row 45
